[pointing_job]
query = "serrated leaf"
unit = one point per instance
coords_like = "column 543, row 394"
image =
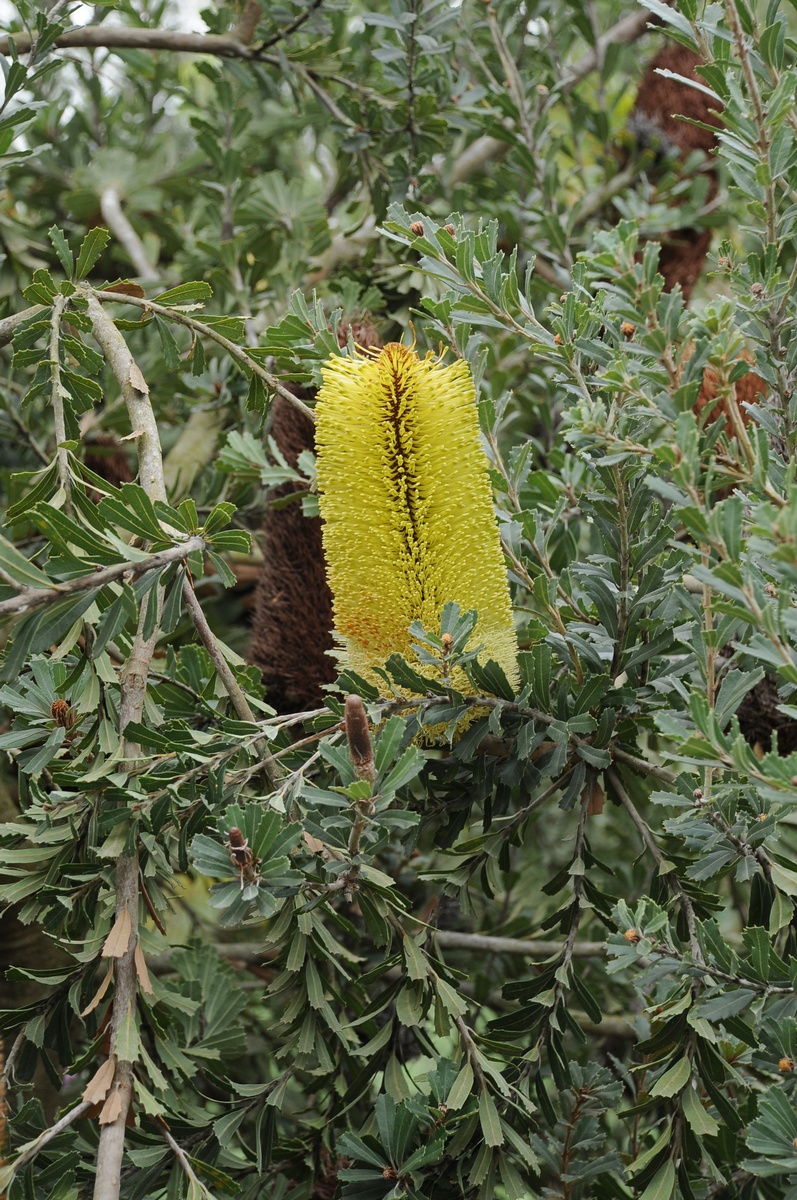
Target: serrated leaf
column 91, row 248
column 187, row 293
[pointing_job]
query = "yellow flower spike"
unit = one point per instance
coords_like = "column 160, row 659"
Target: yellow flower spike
column 407, row 507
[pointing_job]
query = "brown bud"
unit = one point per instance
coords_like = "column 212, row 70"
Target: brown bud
column 632, row 936
column 757, row 289
column 770, row 590
column 447, row 641
column 62, row 714
column 450, row 229
column 358, row 736
column 627, row 329
column 786, row 1064
column 794, row 1143
column 416, row 228
column 761, row 817
column 389, row 1173
column 558, row 339
column 698, row 794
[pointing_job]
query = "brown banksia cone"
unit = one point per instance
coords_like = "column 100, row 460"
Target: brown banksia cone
column 105, row 456
column 654, row 122
column 759, row 718
column 292, row 621
column 358, row 736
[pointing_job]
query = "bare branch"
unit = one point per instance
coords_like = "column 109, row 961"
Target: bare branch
column 33, row 597
column 114, row 217
column 135, row 393
column 486, row 944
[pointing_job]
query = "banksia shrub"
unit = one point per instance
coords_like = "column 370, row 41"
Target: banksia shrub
column 407, row 508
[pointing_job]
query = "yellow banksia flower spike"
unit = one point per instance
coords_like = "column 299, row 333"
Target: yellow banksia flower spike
column 407, row 506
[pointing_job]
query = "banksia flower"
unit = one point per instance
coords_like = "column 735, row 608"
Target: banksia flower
column 407, row 508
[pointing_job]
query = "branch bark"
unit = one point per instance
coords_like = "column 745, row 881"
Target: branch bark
column 135, row 394
column 34, row 597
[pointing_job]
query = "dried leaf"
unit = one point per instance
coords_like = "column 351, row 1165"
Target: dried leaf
column 137, row 379
column 126, row 288
column 100, row 992
column 97, row 1087
column 313, row 844
column 112, row 1108
column 141, row 970
column 118, row 940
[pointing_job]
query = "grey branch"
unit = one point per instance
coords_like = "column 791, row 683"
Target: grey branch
column 8, row 325
column 114, row 216
column 135, row 393
column 33, row 597
column 486, row 944
column 47, row 1136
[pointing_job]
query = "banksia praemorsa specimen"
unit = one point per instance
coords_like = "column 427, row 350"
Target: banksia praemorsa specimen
column 407, row 508
column 358, row 736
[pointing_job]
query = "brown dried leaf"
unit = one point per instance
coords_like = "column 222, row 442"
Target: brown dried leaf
column 100, row 992
column 313, row 844
column 141, row 970
column 112, row 1108
column 117, row 942
column 124, row 287
column 137, row 379
column 97, row 1087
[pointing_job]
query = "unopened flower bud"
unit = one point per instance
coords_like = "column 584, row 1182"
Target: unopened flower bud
column 358, row 736
column 632, row 936
column 558, row 339
column 416, row 228
column 450, row 229
column 627, row 329
column 447, row 641
column 786, row 1064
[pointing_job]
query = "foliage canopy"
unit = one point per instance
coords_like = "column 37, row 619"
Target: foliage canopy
column 556, row 959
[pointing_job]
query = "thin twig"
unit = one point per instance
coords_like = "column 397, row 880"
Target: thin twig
column 30, row 1152
column 227, row 677
column 237, row 352
column 487, row 944
column 57, row 401
column 670, row 878
column 34, row 597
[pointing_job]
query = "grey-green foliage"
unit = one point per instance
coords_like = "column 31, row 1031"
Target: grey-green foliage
column 320, row 1009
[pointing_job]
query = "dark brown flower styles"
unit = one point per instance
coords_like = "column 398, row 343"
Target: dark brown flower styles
column 292, row 623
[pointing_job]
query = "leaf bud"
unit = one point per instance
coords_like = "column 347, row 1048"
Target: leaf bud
column 632, row 937
column 416, row 228
column 361, row 749
column 757, row 289
column 558, row 339
column 450, row 229
column 786, row 1064
column 627, row 329
column 448, row 642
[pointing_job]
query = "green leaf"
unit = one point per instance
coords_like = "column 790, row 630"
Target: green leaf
column 701, row 1122
column 20, row 568
column 91, row 248
column 187, row 293
column 663, row 1183
column 489, row 1120
column 416, row 963
column 62, row 249
column 461, row 1088
column 673, row 1080
column 126, row 1043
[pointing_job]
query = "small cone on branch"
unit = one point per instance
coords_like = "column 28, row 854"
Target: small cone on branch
column 292, row 622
